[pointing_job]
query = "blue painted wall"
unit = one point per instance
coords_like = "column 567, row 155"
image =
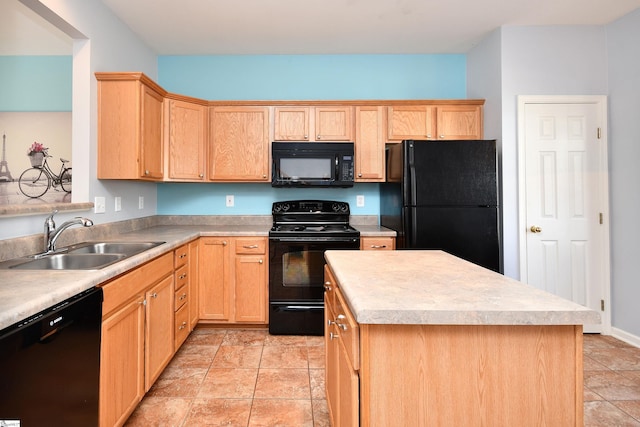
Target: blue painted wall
column 298, row 77
column 35, row 83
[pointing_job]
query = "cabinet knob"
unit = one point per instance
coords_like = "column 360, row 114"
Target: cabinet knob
column 260, row 261
column 428, row 135
column 201, row 175
column 359, row 175
column 183, row 256
column 182, row 276
column 441, row 136
column 306, row 137
column 154, row 295
column 146, row 172
column 332, row 335
column 327, row 286
column 264, row 175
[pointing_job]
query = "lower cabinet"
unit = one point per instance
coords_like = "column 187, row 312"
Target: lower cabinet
column 137, row 337
column 342, row 358
column 233, row 280
column 377, row 243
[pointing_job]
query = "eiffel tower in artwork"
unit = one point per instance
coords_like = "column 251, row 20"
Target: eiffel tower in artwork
column 5, row 175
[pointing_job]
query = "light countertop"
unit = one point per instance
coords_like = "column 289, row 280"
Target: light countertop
column 433, row 287
column 24, row 293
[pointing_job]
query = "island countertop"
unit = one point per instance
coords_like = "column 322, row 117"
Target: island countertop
column 433, row 287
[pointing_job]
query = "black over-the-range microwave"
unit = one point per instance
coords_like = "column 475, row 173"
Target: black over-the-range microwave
column 312, row 164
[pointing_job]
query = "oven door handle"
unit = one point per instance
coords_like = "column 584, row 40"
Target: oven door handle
column 299, row 308
column 314, row 239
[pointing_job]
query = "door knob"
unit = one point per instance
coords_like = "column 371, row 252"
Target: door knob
column 535, row 229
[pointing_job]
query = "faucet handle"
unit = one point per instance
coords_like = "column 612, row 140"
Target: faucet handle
column 50, row 217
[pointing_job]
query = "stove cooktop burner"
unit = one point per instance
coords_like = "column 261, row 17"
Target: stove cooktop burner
column 312, row 218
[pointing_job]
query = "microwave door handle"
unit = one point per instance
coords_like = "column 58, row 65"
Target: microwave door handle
column 336, row 174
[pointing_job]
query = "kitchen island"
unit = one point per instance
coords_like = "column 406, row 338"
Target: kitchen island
column 423, row 338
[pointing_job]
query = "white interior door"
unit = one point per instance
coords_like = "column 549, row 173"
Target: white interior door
column 565, row 202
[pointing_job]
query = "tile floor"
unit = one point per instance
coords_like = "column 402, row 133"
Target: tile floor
column 250, row 378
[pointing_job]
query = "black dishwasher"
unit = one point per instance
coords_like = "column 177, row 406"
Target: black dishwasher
column 50, row 365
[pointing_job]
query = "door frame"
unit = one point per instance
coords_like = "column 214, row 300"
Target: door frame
column 601, row 102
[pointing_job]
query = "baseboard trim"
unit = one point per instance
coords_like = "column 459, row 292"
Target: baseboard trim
column 626, row 337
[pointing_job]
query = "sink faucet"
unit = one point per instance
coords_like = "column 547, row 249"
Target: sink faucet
column 51, row 233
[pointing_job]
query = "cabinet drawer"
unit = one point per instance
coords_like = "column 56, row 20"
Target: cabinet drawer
column 121, row 289
column 181, row 297
column 182, row 276
column 377, row 243
column 180, row 256
column 348, row 329
column 329, row 286
column 251, row 245
column 181, row 325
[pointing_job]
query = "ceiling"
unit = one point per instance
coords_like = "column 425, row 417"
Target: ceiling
column 207, row 27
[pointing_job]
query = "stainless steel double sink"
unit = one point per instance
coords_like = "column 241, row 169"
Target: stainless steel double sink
column 82, row 256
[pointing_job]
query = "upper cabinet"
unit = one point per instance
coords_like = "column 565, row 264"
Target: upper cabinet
column 450, row 121
column 239, row 144
column 185, row 140
column 369, row 143
column 313, row 123
column 130, row 114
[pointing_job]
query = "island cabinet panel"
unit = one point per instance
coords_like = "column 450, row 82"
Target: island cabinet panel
column 239, row 144
column 472, row 375
column 370, row 140
column 185, row 140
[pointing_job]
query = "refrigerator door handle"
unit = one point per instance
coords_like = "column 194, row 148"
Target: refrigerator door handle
column 411, row 168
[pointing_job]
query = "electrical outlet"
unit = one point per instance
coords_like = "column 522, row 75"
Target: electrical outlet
column 229, row 201
column 140, row 202
column 99, row 205
column 360, row 200
column 118, row 204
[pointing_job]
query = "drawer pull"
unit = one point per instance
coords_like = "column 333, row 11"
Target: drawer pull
column 378, row 246
column 183, row 256
column 250, row 246
column 183, row 296
column 182, row 325
column 332, row 335
column 182, row 276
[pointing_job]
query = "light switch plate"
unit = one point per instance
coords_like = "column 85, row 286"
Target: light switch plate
column 99, row 205
column 360, row 200
column 140, row 202
column 229, row 202
column 118, row 204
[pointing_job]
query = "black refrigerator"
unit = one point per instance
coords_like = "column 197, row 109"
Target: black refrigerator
column 444, row 195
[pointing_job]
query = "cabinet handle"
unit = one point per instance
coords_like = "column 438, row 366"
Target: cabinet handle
column 330, row 322
column 154, row 295
column 183, row 325
column 339, row 324
column 224, row 243
column 428, row 135
column 327, row 286
column 260, row 261
column 250, row 246
column 359, row 175
column 319, row 137
column 183, row 256
column 332, row 335
column 378, row 246
column 146, row 172
column 183, row 296
column 182, row 276
column 201, row 175
column 264, row 175
column 441, row 136
column 306, row 137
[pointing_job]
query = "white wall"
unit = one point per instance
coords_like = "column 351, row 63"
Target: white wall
column 541, row 60
column 623, row 38
column 101, row 43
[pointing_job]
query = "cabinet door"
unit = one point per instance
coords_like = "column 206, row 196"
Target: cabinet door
column 122, row 363
column 369, row 144
column 194, row 262
column 291, row 123
column 349, row 413
column 186, row 141
column 214, row 279
column 159, row 329
column 250, row 289
column 151, row 134
column 333, row 124
column 411, row 122
column 332, row 379
column 459, row 122
column 239, row 144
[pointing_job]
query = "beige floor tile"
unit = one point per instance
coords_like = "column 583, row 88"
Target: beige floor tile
column 206, row 336
column 194, row 356
column 246, row 337
column 631, row 407
column 320, row 413
column 316, row 380
column 284, row 357
column 604, row 414
column 237, row 356
column 316, row 356
column 314, row 340
column 283, row 384
column 177, row 381
column 293, row 340
column 281, row 413
column 230, row 383
column 159, row 411
column 612, row 385
column 617, row 358
column 219, row 412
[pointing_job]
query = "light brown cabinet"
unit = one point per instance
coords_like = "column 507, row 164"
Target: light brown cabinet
column 185, row 139
column 342, row 357
column 435, row 122
column 239, row 144
column 182, row 296
column 233, row 280
column 137, row 336
column 377, row 243
column 370, row 140
column 194, row 265
column 313, row 123
column 130, row 120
